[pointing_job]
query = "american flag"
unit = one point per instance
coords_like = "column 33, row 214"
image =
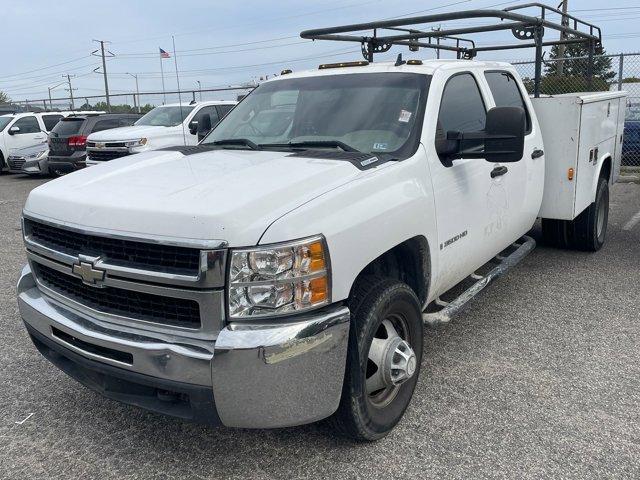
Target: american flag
column 164, row 54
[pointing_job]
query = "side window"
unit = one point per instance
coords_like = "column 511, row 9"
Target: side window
column 224, row 109
column 27, row 125
column 105, row 124
column 50, row 121
column 462, row 108
column 211, row 110
column 506, row 93
column 127, row 121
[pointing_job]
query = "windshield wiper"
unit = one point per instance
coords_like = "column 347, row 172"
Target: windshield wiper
column 238, row 141
column 313, row 144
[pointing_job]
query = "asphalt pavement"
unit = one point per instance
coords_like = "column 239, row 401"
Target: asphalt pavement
column 538, row 378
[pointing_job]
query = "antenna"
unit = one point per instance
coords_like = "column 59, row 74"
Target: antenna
column 175, row 60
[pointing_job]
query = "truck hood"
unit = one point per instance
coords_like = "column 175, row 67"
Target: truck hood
column 230, row 195
column 127, row 133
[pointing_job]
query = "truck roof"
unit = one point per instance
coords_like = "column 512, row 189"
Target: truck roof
column 427, row 67
column 200, row 103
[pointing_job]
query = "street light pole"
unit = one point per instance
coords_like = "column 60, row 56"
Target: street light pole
column 53, row 88
column 137, row 91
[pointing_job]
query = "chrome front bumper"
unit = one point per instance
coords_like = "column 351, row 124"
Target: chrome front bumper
column 261, row 375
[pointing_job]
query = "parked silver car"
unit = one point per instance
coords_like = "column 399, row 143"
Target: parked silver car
column 31, row 160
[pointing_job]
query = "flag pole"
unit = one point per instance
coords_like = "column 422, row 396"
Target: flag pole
column 175, row 60
column 164, row 95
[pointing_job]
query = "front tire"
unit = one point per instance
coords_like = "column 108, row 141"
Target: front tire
column 383, row 361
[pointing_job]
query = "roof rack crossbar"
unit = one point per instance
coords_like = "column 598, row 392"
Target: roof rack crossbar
column 526, row 28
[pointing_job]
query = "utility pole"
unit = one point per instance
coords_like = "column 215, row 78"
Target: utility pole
column 104, row 68
column 199, row 88
column 137, row 91
column 562, row 47
column 70, row 89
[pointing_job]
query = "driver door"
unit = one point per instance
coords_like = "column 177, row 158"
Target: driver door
column 28, row 135
column 470, row 205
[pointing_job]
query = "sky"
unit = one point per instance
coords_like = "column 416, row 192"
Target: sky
column 222, row 43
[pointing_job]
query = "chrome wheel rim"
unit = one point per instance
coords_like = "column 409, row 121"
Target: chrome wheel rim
column 390, row 361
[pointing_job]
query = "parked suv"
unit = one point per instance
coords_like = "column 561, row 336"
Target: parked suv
column 67, row 140
column 21, row 130
column 165, row 126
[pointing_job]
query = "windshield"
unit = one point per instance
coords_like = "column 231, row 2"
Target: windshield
column 165, row 116
column 377, row 113
column 4, row 121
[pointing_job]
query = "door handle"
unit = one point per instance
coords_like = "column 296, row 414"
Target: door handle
column 499, row 171
column 537, row 153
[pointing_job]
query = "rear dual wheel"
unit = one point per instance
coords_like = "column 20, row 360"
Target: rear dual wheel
column 384, row 358
column 589, row 229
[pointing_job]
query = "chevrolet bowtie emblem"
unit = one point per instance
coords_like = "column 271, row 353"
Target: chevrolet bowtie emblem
column 89, row 274
column 99, row 145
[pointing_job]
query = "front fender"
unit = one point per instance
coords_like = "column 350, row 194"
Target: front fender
column 365, row 218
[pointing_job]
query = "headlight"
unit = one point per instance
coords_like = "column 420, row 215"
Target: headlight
column 279, row 279
column 141, row 142
column 36, row 155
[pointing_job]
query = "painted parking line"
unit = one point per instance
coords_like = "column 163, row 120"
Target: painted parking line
column 633, row 222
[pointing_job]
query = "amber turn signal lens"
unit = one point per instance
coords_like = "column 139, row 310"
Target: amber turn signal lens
column 570, row 174
column 319, row 289
column 316, row 252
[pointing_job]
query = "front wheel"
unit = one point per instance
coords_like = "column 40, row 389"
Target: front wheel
column 384, row 358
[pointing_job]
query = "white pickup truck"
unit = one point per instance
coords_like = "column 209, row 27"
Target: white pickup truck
column 164, row 126
column 281, row 272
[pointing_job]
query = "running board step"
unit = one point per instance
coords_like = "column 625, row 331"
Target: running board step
column 523, row 247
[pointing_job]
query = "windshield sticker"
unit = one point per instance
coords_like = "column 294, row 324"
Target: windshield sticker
column 380, row 146
column 404, row 116
column 369, row 161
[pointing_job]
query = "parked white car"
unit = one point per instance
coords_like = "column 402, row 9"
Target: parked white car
column 23, row 130
column 165, row 126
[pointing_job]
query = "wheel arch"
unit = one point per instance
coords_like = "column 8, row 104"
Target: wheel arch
column 408, row 261
column 605, row 170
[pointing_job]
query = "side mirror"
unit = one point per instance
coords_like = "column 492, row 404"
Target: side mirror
column 505, row 131
column 193, row 127
column 502, row 138
column 204, row 126
column 14, row 130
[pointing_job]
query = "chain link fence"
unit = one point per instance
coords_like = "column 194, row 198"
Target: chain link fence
column 611, row 73
column 563, row 75
column 132, row 102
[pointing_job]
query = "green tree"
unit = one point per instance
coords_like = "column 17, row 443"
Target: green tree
column 117, row 108
column 577, row 67
column 4, row 98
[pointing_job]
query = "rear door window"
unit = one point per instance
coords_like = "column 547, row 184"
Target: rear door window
column 50, row 121
column 68, row 126
column 127, row 121
column 224, row 109
column 506, row 93
column 211, row 110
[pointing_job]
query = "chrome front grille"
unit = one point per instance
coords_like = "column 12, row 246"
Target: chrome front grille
column 161, row 258
column 178, row 312
column 171, row 286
